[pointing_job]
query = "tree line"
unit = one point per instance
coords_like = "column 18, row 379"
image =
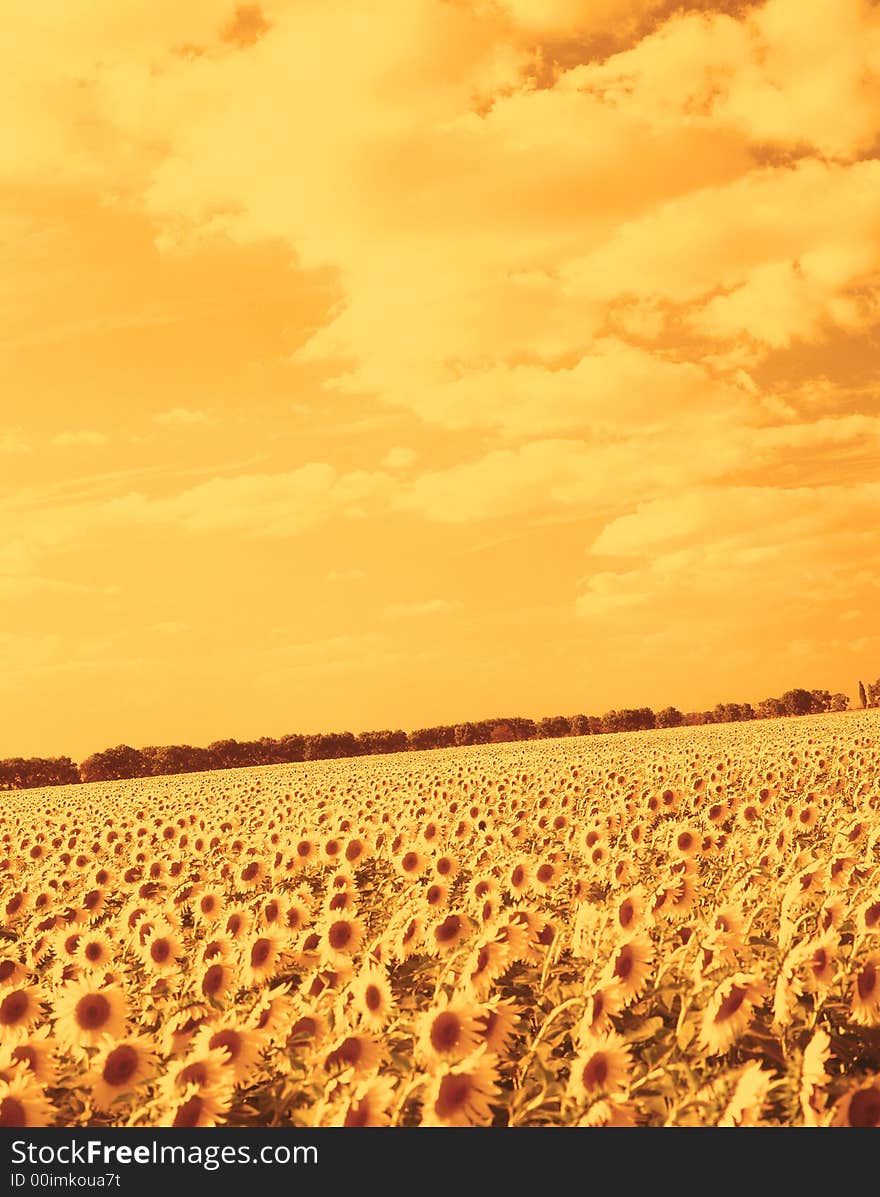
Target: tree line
column 124, row 761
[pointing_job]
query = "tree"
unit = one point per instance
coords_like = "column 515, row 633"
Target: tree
column 114, row 764
column 863, row 698
column 839, row 702
column 669, row 717
column 874, row 693
column 553, row 726
column 797, row 702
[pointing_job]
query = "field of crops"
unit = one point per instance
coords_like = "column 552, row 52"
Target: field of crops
column 665, row 928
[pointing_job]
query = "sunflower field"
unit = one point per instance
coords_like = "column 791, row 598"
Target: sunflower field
column 675, row 928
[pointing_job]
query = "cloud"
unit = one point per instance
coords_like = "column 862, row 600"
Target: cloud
column 399, row 458
column 262, row 506
column 689, row 561
column 346, row 575
column 181, row 417
column 81, row 439
column 169, row 627
column 422, row 608
column 13, row 442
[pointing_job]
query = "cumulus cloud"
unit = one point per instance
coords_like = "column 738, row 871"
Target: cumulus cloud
column 421, row 608
column 13, row 442
column 84, row 438
column 181, row 417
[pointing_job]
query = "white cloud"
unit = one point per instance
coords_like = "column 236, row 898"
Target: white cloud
column 13, row 441
column 424, row 607
column 82, row 438
column 399, row 458
column 181, row 417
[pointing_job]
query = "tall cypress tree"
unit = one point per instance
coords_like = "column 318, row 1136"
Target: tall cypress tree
column 862, row 695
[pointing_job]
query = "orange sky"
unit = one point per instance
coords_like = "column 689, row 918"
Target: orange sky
column 376, row 363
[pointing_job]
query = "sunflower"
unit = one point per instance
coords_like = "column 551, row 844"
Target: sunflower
column 249, row 877
column 272, row 1014
column 23, row 1102
column 411, row 864
column 859, row 1105
column 307, row 1030
column 238, row 923
column 37, row 1053
column 410, row 938
column 86, row 1012
column 630, row 967
column 629, row 911
column 481, row 888
column 602, row 1066
column 12, row 972
column 817, row 963
column 94, row 950
column 305, row 853
column 368, row 1103
column 357, row 1051
column 446, row 934
column 341, row 938
column 729, row 1012
column 373, row 1001
column 19, row 1010
column 489, row 959
column 208, row 907
column 161, row 950
column 498, row 1022
column 606, row 1112
column 520, row 878
column 239, row 1046
column 297, row 915
column 446, row 867
column 196, row 1109
column 461, row 1094
column 214, row 980
column 119, row 1068
column 814, row 1077
column 260, row 958
column 749, row 1096
column 685, row 841
column 448, row 1031
column 436, row 895
column 603, row 1003
column 865, row 1005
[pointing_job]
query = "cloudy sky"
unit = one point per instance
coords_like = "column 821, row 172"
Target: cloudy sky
column 377, row 363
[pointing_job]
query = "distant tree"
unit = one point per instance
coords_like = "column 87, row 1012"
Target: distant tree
column 694, row 719
column 432, row 737
column 821, row 701
column 553, row 726
column 770, row 708
column 465, row 734
column 863, row 698
column 579, row 725
column 290, row 748
column 612, row 721
column 18, row 773
column 114, row 764
column 874, row 693
column 839, row 702
column 797, row 702
column 526, row 729
column 502, row 733
column 669, row 717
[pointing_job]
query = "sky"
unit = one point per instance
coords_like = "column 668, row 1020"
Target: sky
column 382, row 363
